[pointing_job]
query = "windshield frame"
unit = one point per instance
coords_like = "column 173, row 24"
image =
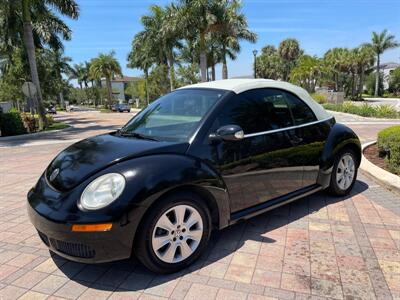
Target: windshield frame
column 195, row 130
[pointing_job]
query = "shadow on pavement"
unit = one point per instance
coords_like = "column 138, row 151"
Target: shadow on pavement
column 130, row 275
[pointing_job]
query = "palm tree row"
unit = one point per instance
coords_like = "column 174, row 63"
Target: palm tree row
column 33, row 24
column 341, row 68
column 190, row 32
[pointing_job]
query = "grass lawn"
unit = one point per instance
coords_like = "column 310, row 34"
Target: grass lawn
column 57, row 126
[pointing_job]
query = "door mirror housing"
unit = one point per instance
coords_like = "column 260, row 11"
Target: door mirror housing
column 228, row 133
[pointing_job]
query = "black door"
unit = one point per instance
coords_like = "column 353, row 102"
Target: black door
column 265, row 164
column 309, row 135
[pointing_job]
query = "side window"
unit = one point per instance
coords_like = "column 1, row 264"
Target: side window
column 256, row 111
column 302, row 114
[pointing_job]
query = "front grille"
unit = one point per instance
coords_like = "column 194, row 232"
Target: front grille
column 73, row 249
column 44, row 238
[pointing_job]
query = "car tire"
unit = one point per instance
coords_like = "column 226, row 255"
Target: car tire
column 344, row 173
column 164, row 250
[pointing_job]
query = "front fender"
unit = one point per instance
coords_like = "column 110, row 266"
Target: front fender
column 150, row 177
column 339, row 137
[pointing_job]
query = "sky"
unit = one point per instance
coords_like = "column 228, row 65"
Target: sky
column 318, row 25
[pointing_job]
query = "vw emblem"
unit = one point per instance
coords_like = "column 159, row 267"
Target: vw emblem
column 54, row 174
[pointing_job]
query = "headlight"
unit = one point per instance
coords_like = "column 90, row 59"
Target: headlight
column 102, row 191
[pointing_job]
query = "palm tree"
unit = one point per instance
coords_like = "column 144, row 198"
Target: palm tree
column 307, row 72
column 60, row 66
column 380, row 43
column 199, row 18
column 337, row 62
column 80, row 73
column 171, row 35
column 235, row 29
column 362, row 60
column 68, row 8
column 105, row 65
column 289, row 51
column 269, row 63
column 141, row 57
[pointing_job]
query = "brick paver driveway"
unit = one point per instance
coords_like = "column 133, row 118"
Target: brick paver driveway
column 316, row 247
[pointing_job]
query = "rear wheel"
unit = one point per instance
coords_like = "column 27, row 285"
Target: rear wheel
column 344, row 173
column 174, row 234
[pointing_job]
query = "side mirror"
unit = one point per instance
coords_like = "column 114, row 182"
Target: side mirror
column 228, row 133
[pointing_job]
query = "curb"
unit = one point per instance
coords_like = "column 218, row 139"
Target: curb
column 386, row 178
column 35, row 134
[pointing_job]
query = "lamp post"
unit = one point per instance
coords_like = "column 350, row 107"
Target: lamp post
column 255, row 63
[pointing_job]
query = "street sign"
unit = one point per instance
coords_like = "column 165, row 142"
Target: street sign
column 29, row 89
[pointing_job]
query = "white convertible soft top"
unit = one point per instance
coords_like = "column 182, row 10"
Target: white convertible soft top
column 241, row 85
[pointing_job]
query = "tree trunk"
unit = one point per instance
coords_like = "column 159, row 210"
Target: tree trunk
column 353, row 84
column 361, row 83
column 171, row 70
column 377, row 75
column 224, row 65
column 213, row 72
column 336, row 82
column 203, row 57
column 109, row 91
column 30, row 48
column 146, row 76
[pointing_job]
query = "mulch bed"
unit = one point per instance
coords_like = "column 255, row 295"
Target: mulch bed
column 372, row 154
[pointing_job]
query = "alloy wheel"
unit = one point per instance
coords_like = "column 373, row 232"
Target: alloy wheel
column 177, row 233
column 345, row 172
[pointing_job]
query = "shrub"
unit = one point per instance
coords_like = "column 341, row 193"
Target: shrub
column 11, row 124
column 319, row 98
column 365, row 110
column 389, row 147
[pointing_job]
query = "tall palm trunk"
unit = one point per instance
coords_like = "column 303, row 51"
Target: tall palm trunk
column 30, row 48
column 377, row 76
column 171, row 70
column 361, row 83
column 109, row 91
column 213, row 72
column 224, row 65
column 353, row 84
column 146, row 77
column 203, row 57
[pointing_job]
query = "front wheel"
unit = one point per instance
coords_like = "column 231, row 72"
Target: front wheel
column 174, row 234
column 344, row 173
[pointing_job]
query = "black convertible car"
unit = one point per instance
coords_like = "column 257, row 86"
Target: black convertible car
column 202, row 157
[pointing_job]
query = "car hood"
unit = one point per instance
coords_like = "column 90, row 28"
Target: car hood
column 83, row 159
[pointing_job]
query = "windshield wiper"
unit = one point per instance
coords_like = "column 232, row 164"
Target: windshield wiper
column 136, row 135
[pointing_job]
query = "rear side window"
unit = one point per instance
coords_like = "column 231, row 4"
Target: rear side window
column 302, row 114
column 263, row 110
column 256, row 111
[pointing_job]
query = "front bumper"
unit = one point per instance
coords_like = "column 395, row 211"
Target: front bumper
column 86, row 247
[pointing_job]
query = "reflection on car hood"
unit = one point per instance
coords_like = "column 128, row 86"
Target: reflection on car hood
column 85, row 158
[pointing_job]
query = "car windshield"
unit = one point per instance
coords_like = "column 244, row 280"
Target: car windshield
column 173, row 117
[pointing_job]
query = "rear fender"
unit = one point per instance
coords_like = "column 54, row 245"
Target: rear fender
column 340, row 137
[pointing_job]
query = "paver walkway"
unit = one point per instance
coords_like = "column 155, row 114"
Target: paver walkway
column 317, row 247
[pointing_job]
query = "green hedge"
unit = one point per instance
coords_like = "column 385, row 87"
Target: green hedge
column 389, row 147
column 11, row 124
column 365, row 110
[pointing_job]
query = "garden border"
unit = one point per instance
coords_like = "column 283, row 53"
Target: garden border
column 388, row 179
column 34, row 134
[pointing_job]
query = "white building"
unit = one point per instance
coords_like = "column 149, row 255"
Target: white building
column 386, row 69
column 118, row 85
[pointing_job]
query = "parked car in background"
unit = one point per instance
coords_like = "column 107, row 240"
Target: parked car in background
column 202, row 157
column 121, row 107
column 51, row 110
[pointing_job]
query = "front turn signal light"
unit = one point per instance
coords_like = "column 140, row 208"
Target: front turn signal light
column 91, row 227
